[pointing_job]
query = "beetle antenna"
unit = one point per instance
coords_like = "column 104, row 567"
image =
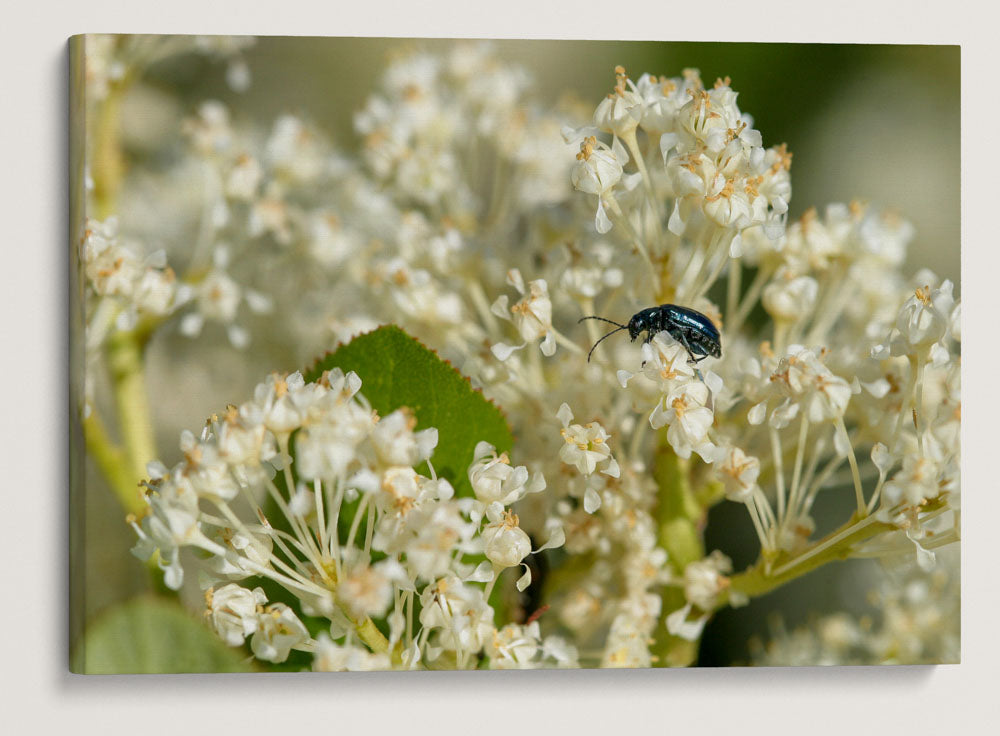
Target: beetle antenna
column 620, row 328
column 610, row 322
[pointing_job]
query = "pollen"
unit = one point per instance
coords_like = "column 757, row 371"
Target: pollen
column 726, row 191
column 192, row 457
column 621, row 77
column 784, row 160
column 700, row 97
column 510, row 519
column 734, row 133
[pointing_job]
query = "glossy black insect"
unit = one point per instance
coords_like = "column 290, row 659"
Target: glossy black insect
column 690, row 328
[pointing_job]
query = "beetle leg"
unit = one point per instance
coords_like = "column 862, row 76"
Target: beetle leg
column 691, row 359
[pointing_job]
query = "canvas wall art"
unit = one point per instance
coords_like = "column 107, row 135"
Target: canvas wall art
column 402, row 354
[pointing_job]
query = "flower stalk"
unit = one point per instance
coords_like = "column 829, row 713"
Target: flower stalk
column 838, row 545
column 679, row 519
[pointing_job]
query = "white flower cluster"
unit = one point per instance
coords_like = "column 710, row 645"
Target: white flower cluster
column 259, row 505
column 704, row 580
column 134, row 286
column 112, row 59
column 911, row 622
column 841, row 372
column 129, row 290
column 459, row 222
column 714, row 174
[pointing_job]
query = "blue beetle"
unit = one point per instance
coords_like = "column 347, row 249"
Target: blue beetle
column 690, row 328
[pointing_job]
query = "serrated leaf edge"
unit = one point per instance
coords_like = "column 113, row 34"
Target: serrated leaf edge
column 392, row 326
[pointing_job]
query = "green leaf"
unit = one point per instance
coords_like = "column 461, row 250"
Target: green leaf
column 151, row 636
column 396, row 370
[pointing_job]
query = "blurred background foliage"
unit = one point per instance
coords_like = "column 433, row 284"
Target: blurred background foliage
column 876, row 123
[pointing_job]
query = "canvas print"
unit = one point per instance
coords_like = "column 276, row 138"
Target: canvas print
column 403, row 354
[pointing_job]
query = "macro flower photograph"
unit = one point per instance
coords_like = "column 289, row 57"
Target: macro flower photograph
column 417, row 354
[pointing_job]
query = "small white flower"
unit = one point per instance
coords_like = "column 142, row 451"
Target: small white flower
column 506, row 544
column 245, row 555
column 599, row 167
column 397, row 444
column 171, row 523
column 665, row 362
column 560, row 651
column 210, row 132
column 460, row 613
column 914, row 483
column 662, row 100
column 295, row 150
column 495, row 480
column 704, row 580
column 156, row 290
column 627, row 644
column 432, row 540
column 366, row 590
column 513, row 647
column 739, row 474
column 244, row 178
column 591, row 500
column 331, row 657
column 598, row 170
column 689, row 418
column 400, row 491
column 233, row 611
column 809, row 383
column 678, row 623
column 619, row 113
column 533, row 315
column 279, row 631
column 790, row 298
column 586, row 447
column 923, row 319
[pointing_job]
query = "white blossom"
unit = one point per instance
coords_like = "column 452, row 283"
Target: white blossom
column 506, row 544
column 279, row 631
column 233, row 612
column 586, row 447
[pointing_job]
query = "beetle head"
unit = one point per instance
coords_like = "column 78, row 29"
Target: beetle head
column 636, row 325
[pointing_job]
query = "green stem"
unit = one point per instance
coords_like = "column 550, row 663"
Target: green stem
column 108, row 165
column 113, row 464
column 371, row 636
column 838, row 545
column 125, row 359
column 679, row 519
